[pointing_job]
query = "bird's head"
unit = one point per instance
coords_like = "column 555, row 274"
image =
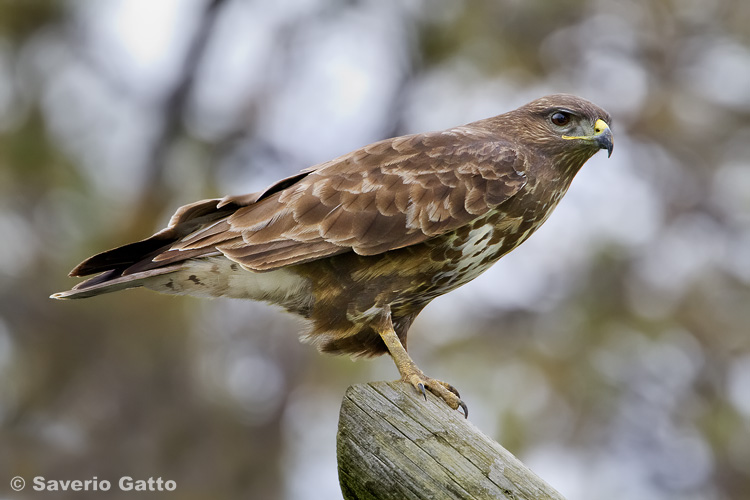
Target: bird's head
column 566, row 126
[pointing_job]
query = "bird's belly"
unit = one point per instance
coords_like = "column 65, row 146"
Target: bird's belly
column 221, row 277
column 350, row 290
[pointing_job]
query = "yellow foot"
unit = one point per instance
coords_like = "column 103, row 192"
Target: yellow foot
column 408, row 369
column 441, row 389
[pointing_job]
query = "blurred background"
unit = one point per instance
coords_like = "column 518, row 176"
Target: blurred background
column 610, row 353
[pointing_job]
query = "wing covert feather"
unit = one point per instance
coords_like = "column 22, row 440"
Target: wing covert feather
column 388, row 195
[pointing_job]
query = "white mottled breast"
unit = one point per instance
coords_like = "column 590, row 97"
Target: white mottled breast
column 478, row 253
column 474, row 250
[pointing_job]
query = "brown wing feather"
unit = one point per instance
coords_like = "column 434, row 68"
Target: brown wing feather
column 186, row 220
column 387, row 195
column 199, row 217
column 391, row 194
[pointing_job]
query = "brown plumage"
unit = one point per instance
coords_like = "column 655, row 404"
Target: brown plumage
column 361, row 244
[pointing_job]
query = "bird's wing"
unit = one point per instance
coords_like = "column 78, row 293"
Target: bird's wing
column 388, row 195
column 192, row 218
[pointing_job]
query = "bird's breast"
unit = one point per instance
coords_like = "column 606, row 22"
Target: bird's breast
column 473, row 249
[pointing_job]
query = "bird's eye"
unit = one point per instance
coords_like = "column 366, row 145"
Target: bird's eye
column 560, row 118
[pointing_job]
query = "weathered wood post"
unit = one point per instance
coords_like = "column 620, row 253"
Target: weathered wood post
column 394, row 445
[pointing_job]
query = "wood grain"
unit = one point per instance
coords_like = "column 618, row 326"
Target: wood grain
column 392, row 444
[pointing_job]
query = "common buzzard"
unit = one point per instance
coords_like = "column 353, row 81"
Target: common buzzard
column 359, row 245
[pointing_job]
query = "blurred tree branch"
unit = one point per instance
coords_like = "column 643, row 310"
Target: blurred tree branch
column 154, row 193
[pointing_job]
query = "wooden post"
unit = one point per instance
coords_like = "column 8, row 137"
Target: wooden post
column 394, row 445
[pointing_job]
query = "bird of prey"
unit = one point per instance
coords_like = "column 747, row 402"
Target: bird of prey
column 359, row 245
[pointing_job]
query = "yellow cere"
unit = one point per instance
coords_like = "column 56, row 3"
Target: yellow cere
column 599, row 128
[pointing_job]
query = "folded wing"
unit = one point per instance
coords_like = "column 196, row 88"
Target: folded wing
column 388, row 195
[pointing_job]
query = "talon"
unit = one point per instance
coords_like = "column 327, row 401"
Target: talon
column 464, row 408
column 444, row 391
column 451, row 388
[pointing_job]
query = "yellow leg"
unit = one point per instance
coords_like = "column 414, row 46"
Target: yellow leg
column 410, row 372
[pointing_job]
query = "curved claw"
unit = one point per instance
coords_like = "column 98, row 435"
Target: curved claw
column 443, row 390
column 450, row 388
column 464, row 408
column 422, row 389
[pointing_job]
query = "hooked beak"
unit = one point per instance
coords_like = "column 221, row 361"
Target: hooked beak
column 602, row 136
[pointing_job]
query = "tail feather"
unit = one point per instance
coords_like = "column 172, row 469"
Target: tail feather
column 187, row 219
column 135, row 265
column 112, row 281
column 129, row 265
column 121, row 258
